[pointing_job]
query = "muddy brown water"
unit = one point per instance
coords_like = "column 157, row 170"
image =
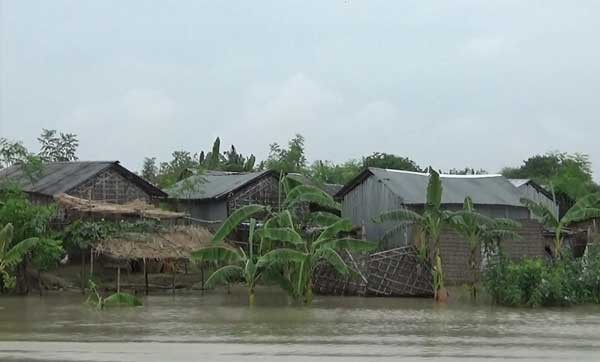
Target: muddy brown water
column 221, row 327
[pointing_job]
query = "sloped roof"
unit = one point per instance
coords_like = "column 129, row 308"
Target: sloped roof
column 213, row 184
column 518, row 182
column 61, row 177
column 411, row 187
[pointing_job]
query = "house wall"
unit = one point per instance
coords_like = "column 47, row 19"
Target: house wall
column 110, row 186
column 455, row 251
column 369, row 200
column 263, row 192
column 212, row 210
column 533, row 194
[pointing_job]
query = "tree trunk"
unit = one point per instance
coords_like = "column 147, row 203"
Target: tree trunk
column 82, row 271
column 145, row 277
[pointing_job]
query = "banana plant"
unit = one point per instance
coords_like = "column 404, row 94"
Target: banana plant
column 586, row 208
column 11, row 256
column 476, row 228
column 307, row 252
column 239, row 265
column 427, row 228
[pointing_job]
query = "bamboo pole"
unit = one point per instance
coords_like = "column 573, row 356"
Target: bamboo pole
column 145, row 277
column 118, row 279
column 82, row 272
column 91, row 262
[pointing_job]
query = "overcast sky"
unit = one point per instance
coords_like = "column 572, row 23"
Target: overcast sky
column 459, row 83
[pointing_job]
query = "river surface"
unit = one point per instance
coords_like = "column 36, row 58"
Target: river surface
column 221, row 327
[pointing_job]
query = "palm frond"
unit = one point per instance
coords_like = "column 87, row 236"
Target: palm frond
column 281, row 256
column 311, row 194
column 334, row 259
column 15, row 254
column 122, row 300
column 350, row 244
column 579, row 214
column 221, row 253
column 541, row 211
column 589, row 201
column 6, row 236
column 281, row 219
column 331, row 232
column 236, row 218
column 224, row 275
column 395, row 231
column 322, row 218
column 434, row 190
column 285, row 235
column 400, row 215
column 275, row 275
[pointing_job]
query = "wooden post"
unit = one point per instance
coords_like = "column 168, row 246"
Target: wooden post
column 91, row 262
column 202, row 275
column 145, row 277
column 173, row 284
column 119, row 279
column 82, row 271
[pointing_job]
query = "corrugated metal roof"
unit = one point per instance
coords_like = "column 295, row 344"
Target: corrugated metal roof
column 61, row 177
column 411, row 187
column 518, row 182
column 55, row 177
column 212, row 184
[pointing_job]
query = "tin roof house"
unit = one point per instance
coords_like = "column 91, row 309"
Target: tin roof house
column 376, row 190
column 105, row 181
column 214, row 195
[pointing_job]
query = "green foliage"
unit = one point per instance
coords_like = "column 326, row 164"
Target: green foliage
column 586, row 208
column 288, row 252
column 11, row 152
column 27, row 219
column 12, row 254
column 327, row 172
column 47, row 254
column 150, row 170
column 535, row 282
column 310, row 194
column 82, row 234
column 569, row 174
column 389, row 161
column 58, row 147
column 114, row 300
column 287, row 160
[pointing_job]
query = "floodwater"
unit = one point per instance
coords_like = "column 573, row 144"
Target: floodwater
column 221, row 327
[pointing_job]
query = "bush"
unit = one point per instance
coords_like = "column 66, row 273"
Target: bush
column 536, row 282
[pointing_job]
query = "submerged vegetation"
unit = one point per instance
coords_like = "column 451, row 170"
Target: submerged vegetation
column 535, row 282
column 118, row 299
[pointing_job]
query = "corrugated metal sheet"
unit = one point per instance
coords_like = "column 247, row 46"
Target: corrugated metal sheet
column 212, row 184
column 55, row 177
column 411, row 187
column 518, row 182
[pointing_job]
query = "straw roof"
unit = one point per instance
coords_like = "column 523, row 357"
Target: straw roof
column 134, row 208
column 177, row 244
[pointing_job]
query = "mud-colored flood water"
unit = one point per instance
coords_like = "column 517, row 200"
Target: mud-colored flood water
column 220, row 327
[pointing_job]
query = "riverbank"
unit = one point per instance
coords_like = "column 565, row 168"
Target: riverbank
column 216, row 326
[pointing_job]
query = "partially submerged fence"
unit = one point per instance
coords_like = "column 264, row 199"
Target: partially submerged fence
column 394, row 272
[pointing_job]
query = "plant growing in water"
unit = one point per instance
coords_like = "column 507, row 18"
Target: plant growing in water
column 114, row 300
column 12, row 255
column 586, row 208
column 427, row 228
column 289, row 250
column 477, row 229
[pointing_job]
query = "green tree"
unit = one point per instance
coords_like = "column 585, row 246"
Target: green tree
column 57, row 147
column 287, row 160
column 389, row 161
column 331, row 173
column 11, row 152
column 568, row 174
column 150, row 170
column 586, row 208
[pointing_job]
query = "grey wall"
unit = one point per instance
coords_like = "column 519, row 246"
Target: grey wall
column 533, row 194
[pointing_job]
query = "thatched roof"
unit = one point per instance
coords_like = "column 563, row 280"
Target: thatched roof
column 134, row 208
column 176, row 244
